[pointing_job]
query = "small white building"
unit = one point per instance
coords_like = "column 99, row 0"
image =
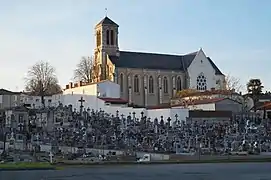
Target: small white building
column 103, row 89
column 214, row 104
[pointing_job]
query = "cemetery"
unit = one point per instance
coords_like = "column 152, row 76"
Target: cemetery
column 76, row 126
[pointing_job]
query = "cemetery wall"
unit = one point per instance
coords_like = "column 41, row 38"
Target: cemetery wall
column 182, row 113
column 91, row 102
column 95, row 103
column 47, row 148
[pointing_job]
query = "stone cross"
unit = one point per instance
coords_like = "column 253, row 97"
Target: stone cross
column 12, row 135
column 51, row 157
column 81, row 105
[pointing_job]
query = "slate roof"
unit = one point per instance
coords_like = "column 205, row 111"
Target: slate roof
column 114, row 100
column 107, row 21
column 142, row 60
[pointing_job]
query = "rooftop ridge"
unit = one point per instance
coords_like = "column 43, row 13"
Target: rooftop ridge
column 154, row 53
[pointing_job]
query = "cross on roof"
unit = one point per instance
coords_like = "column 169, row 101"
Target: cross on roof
column 105, row 12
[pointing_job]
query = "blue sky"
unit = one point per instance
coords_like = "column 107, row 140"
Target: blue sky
column 234, row 33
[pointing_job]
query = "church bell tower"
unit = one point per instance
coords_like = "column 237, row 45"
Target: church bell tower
column 106, row 33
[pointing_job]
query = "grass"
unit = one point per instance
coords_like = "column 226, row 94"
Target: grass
column 26, row 165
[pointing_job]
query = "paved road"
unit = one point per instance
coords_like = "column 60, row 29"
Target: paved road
column 246, row 171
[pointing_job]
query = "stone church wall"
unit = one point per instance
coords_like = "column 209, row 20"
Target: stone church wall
column 145, row 97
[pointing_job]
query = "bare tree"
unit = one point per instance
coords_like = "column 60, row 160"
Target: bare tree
column 41, row 80
column 83, row 71
column 233, row 83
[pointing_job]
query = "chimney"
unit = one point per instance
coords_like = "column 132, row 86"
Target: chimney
column 67, row 86
column 71, row 85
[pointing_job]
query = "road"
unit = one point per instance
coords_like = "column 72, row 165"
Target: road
column 237, row 171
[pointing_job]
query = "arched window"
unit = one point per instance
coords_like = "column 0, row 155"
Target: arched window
column 201, row 82
column 136, row 84
column 121, row 82
column 151, row 89
column 165, row 82
column 107, row 37
column 179, row 84
column 112, row 37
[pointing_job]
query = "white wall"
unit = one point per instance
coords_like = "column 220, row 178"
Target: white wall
column 205, row 107
column 126, row 111
column 87, row 90
column 109, row 89
column 182, row 113
column 157, row 113
column 95, row 103
column 104, row 89
column 91, row 102
column 196, row 67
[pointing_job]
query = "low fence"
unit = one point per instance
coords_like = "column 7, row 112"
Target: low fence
column 47, row 148
column 176, row 157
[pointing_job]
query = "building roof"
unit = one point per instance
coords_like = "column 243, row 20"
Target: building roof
column 217, row 71
column 264, row 106
column 206, row 101
column 107, row 21
column 7, row 92
column 143, row 60
column 209, row 101
column 202, row 101
column 115, row 100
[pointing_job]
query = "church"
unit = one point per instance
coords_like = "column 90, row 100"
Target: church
column 150, row 79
